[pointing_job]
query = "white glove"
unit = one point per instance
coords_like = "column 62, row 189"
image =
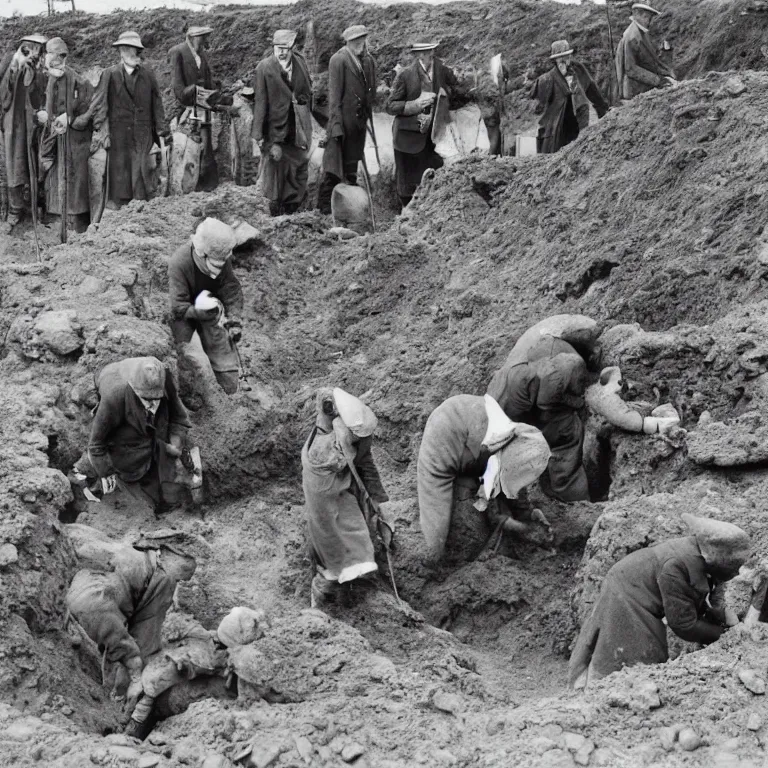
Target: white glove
column 108, row 484
column 42, row 117
column 60, row 124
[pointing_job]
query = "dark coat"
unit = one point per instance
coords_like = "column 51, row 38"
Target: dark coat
column 186, row 281
column 625, row 628
column 72, row 94
column 559, row 123
column 274, row 116
column 19, row 104
column 407, row 136
column 134, row 107
column 122, row 438
column 185, row 75
column 638, row 66
column 351, row 94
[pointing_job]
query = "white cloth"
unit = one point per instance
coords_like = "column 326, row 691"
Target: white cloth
column 501, row 429
column 194, row 53
column 129, row 70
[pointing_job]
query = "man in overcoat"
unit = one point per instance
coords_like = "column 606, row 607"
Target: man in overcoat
column 671, row 580
column 203, row 264
column 564, row 94
column 22, row 102
column 193, row 88
column 65, row 144
column 282, row 124
column 129, row 96
column 351, row 94
column 639, row 68
column 412, row 101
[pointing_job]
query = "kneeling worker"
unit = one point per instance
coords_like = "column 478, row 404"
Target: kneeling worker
column 466, row 438
column 671, row 580
column 342, row 491
column 206, row 297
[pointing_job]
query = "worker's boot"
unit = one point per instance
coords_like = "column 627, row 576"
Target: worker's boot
column 290, row 208
column 142, row 722
column 322, row 592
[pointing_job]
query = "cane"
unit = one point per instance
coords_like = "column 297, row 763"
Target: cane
column 31, row 166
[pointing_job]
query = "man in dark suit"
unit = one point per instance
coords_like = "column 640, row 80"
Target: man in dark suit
column 351, row 93
column 129, row 97
column 638, row 66
column 411, row 101
column 282, row 124
column 196, row 91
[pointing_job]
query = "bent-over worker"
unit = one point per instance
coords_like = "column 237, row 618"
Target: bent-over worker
column 351, row 94
column 138, row 431
column 282, row 124
column 671, row 580
column 564, row 94
column 467, row 438
column 206, row 297
column 546, row 389
column 412, row 102
column 342, row 491
column 639, row 68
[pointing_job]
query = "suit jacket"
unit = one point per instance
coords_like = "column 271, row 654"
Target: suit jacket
column 185, row 75
column 351, row 93
column 407, row 87
column 274, row 117
column 638, row 66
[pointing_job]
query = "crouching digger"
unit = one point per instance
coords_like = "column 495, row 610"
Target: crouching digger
column 138, row 432
column 674, row 580
column 206, row 297
column 467, row 438
column 342, row 491
column 122, row 610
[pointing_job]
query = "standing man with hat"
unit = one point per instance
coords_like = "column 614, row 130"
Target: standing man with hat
column 196, row 92
column 351, row 93
column 564, row 94
column 22, row 101
column 282, row 124
column 129, row 97
column 638, row 66
column 66, row 141
column 411, row 101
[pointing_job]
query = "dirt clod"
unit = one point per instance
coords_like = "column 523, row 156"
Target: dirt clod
column 689, row 739
column 753, row 682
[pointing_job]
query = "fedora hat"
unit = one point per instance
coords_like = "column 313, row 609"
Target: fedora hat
column 425, row 45
column 644, row 7
column 129, row 38
column 284, row 37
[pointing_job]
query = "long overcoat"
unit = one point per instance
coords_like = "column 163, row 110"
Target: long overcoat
column 134, row 107
column 351, row 94
column 186, row 75
column 625, row 627
column 638, row 66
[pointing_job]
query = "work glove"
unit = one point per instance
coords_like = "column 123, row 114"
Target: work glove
column 42, row 117
column 108, row 484
column 256, row 148
column 60, row 124
column 276, row 152
column 172, row 450
column 424, row 121
column 235, row 329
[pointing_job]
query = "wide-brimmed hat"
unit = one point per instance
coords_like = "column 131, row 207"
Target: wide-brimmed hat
column 147, row 379
column 560, row 48
column 35, row 37
column 644, row 7
column 199, row 31
column 284, row 37
column 179, row 542
column 56, row 45
column 129, row 38
column 723, row 544
column 425, row 45
column 354, row 32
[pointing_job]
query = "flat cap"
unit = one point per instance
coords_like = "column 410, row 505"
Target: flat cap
column 355, row 31
column 199, row 31
column 425, row 45
column 284, row 37
column 56, row 45
column 644, row 7
column 180, row 542
column 35, row 37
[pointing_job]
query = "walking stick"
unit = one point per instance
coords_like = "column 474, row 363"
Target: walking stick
column 372, row 132
column 615, row 85
column 63, row 150
column 367, row 178
column 32, row 168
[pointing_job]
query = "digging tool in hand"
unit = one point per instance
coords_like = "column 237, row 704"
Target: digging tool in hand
column 372, row 133
column 367, row 179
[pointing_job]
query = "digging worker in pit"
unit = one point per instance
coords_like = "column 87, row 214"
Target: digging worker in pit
column 672, row 580
column 195, row 92
column 207, row 297
column 122, row 610
column 342, row 491
column 639, row 68
column 282, row 124
column 469, row 443
column 544, row 386
column 563, row 95
column 138, row 431
column 351, row 94
column 412, row 101
column 129, row 96
column 22, row 101
column 65, row 144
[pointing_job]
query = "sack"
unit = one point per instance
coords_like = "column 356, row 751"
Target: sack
column 356, row 415
column 350, row 207
column 185, row 163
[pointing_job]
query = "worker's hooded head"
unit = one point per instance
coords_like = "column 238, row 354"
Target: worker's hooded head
column 241, row 626
column 212, row 243
column 355, row 415
column 562, row 380
column 146, row 377
column 184, row 548
column 725, row 547
column 518, row 464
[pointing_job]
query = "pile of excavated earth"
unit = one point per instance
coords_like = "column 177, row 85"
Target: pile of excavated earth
column 652, row 223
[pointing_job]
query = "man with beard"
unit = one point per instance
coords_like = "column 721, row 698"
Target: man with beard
column 351, row 93
column 564, row 94
column 22, row 102
column 129, row 96
column 66, row 141
column 282, row 124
